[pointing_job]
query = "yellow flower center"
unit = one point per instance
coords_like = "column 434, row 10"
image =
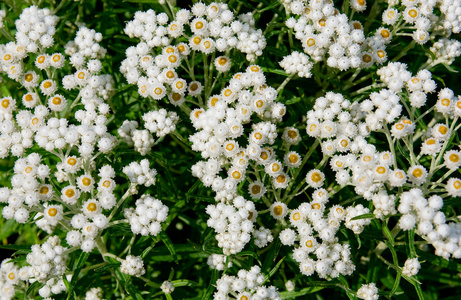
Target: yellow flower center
column 454, row 157
column 56, row 100
column 5, row 103
column 293, row 158
column 29, row 77
column 91, row 207
column 417, row 173
column 70, row 193
column 44, row 190
column 278, row 210
column 296, row 216
column 52, row 212
column 86, row 181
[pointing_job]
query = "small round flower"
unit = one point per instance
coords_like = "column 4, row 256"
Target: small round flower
column 397, row 177
column 57, row 102
column 287, row 237
column 410, row 14
column 53, row 214
column 454, row 187
column 278, row 210
column 70, row 194
column 296, row 217
column 158, row 91
column 7, row 105
column 222, row 63
column 417, row 174
column 281, row 181
column 48, row 87
column 292, row 159
column 72, row 164
column 440, row 131
column 42, row 61
column 74, row 238
column 57, row 60
column 291, row 136
column 45, row 191
column 30, row 100
column 315, row 178
column 390, row 16
column 30, row 79
column 85, row 183
column 195, row 88
column 452, row 159
column 407, row 222
column 307, row 267
column 256, row 189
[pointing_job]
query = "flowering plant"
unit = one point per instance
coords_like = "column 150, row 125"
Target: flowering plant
column 230, row 149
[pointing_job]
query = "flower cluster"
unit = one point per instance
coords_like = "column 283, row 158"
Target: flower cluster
column 47, row 265
column 309, row 220
column 133, row 266
column 425, row 216
column 323, row 31
column 223, row 123
column 146, row 217
column 247, row 285
column 140, row 173
column 368, row 292
column 232, row 223
column 207, row 28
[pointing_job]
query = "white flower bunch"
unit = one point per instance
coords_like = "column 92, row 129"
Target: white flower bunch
column 36, row 28
column 309, row 220
column 223, row 122
column 218, row 262
column 160, row 122
column 167, row 287
column 48, row 261
column 446, row 50
column 263, row 236
column 411, row 267
column 368, row 292
column 140, row 173
column 297, row 63
column 232, row 223
column 147, row 216
column 247, row 285
column 323, row 31
column 425, row 216
column 133, row 266
column 94, row 294
column 208, row 29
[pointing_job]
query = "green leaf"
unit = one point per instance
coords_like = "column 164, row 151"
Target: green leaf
column 211, row 287
column 77, row 268
column 274, row 269
column 304, row 291
column 166, row 240
column 133, row 291
column 183, row 282
column 275, row 71
column 387, row 233
column 106, row 267
column 364, row 216
column 16, row 247
column 396, row 285
column 146, row 251
column 34, row 287
column 271, row 255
